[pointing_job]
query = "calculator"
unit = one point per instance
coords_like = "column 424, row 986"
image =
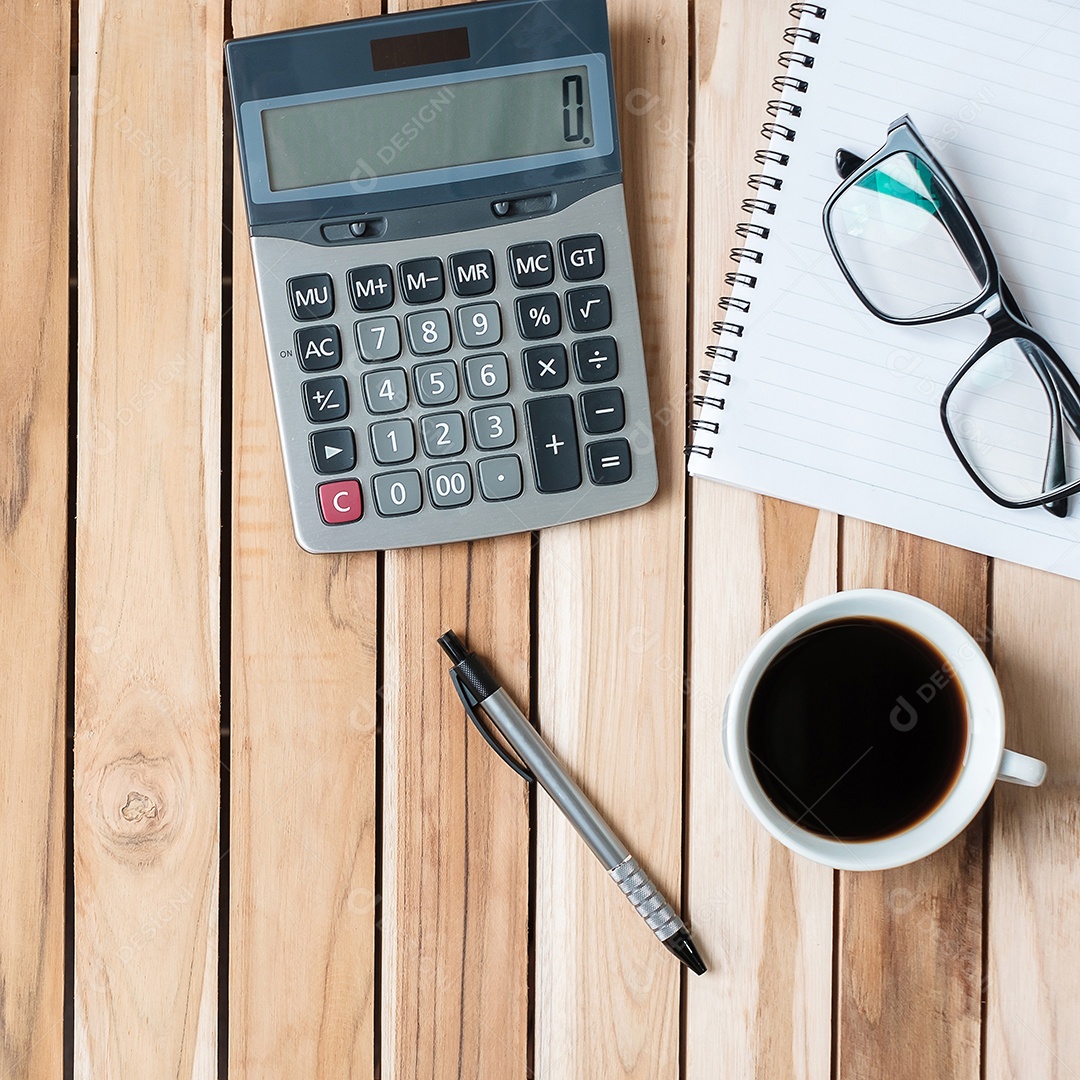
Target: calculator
column 439, row 236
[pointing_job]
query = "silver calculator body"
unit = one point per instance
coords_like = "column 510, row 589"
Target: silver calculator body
column 440, row 245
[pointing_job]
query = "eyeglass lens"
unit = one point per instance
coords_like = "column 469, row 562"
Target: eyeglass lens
column 1000, row 415
column 904, row 242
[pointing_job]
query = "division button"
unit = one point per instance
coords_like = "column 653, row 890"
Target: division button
column 311, row 296
column 589, row 309
column 318, row 348
column 602, row 411
column 532, row 265
column 397, row 493
column 500, row 478
column 609, row 461
column 538, row 315
column 326, row 399
column 596, row 359
column 472, row 273
column 545, row 367
column 333, row 450
column 371, row 288
column 450, row 485
column 553, row 443
column 340, row 502
column 582, row 257
column 421, row 281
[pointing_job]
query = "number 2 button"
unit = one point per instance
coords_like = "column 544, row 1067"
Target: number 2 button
column 386, row 391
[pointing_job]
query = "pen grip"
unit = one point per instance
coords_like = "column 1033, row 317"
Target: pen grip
column 638, row 888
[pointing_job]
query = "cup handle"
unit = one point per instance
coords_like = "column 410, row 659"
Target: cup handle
column 1021, row 769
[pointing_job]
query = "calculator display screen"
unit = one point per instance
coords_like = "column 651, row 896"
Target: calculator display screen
column 436, row 126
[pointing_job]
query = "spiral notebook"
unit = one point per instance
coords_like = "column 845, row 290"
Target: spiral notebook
column 812, row 399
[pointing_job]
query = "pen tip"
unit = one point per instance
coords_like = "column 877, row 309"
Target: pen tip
column 683, row 947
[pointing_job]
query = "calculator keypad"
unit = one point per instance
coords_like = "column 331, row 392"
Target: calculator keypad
column 429, row 418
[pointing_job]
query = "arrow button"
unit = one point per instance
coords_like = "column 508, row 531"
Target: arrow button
column 333, row 451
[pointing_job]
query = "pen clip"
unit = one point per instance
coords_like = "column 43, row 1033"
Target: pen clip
column 470, row 711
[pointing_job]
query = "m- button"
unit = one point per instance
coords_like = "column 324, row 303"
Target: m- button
column 421, row 281
column 582, row 257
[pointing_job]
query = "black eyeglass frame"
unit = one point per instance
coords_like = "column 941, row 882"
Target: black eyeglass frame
column 995, row 302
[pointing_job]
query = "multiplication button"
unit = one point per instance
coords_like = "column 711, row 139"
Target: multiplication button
column 545, row 367
column 609, row 461
column 500, row 478
column 326, row 399
column 371, row 288
column 596, row 359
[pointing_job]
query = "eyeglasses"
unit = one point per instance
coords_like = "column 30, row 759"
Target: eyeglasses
column 910, row 247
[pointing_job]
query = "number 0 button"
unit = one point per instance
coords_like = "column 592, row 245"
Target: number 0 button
column 397, row 492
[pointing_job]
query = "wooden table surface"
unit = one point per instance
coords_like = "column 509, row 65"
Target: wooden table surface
column 247, row 831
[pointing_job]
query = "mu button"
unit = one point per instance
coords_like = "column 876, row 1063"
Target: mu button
column 311, row 296
column 340, row 502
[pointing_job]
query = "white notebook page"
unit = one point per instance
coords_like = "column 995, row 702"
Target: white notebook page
column 832, row 407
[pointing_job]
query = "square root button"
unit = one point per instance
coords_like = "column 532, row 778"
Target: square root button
column 340, row 502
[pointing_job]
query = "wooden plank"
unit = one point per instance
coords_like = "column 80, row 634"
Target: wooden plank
column 456, row 828
column 303, row 902
column 456, row 839
column 146, row 650
column 910, row 947
column 763, row 915
column 1033, row 921
column 611, row 608
column 34, row 163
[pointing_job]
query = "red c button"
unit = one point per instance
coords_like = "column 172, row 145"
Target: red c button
column 340, row 502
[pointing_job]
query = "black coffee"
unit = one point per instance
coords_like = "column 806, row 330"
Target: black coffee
column 857, row 729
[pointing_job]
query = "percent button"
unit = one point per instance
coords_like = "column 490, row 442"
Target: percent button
column 538, row 316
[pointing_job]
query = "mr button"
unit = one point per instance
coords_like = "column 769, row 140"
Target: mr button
column 340, row 502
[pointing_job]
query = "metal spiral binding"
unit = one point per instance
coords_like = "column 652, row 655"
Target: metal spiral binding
column 800, row 37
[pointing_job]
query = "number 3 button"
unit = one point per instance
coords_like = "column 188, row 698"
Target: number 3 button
column 493, row 428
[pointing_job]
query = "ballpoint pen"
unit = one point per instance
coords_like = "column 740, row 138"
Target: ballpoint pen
column 478, row 688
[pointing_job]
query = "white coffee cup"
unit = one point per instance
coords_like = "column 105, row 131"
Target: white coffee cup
column 985, row 758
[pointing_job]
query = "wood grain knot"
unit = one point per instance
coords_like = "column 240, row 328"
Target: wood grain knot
column 138, row 806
